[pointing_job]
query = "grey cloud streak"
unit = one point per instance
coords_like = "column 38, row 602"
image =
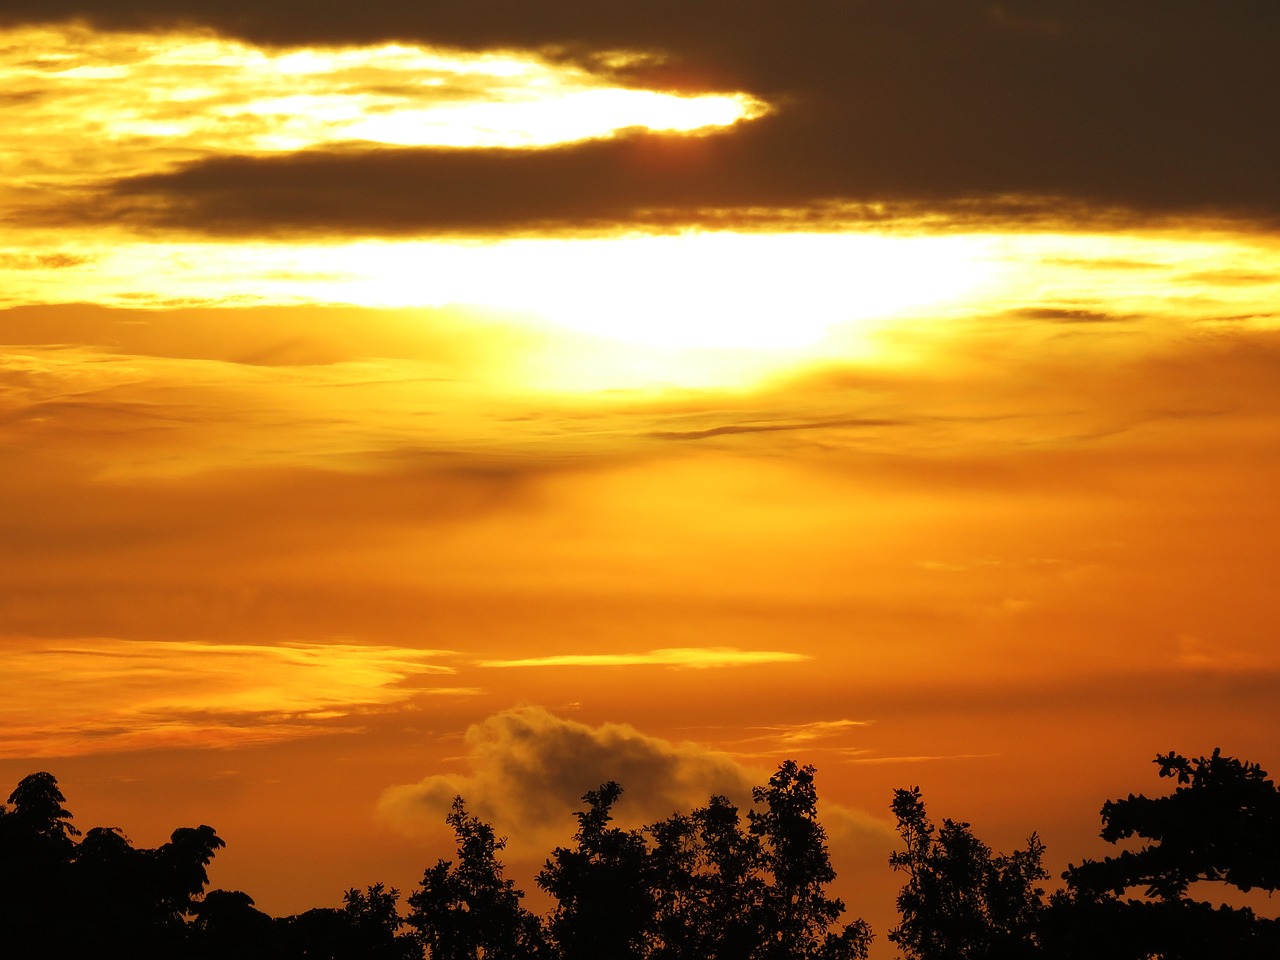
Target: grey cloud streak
column 1148, row 106
column 733, row 428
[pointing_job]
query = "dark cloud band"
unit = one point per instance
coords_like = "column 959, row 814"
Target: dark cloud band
column 1146, row 105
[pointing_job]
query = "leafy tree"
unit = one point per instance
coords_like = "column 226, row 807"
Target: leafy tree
column 958, row 901
column 677, row 887
column 374, row 918
column 470, row 911
column 710, row 887
column 114, row 891
column 227, row 924
column 38, row 809
column 603, row 905
column 181, row 867
column 366, row 927
column 100, row 895
column 1221, row 824
column 733, row 899
column 707, row 886
column 798, row 915
column 37, row 846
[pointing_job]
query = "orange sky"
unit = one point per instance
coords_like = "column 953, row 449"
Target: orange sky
column 611, row 447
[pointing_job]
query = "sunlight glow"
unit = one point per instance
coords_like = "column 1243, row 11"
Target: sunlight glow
column 696, row 308
column 696, row 289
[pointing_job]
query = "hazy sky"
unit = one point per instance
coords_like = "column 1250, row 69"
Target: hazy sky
column 399, row 400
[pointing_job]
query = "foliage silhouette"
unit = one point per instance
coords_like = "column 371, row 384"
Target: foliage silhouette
column 471, row 911
column 1221, row 824
column 709, row 887
column 959, row 901
column 366, row 927
column 798, row 913
column 710, row 884
column 38, row 809
column 60, row 898
column 227, row 924
column 373, row 917
column 604, row 907
column 705, row 874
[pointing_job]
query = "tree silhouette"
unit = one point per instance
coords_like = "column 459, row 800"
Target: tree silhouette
column 1221, row 824
column 60, row 898
column 706, row 881
column 366, row 927
column 227, row 924
column 36, row 849
column 181, row 865
column 958, row 900
column 733, row 899
column 470, row 911
column 38, row 809
column 677, row 887
column 798, row 913
column 603, row 905
column 374, row 916
column 116, row 894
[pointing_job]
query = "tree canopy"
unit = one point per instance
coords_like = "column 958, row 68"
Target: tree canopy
column 708, row 884
column 1219, row 826
column 958, row 900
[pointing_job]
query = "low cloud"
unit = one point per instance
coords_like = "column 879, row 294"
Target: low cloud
column 530, row 768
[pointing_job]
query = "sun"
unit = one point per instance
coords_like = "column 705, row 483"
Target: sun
column 696, row 289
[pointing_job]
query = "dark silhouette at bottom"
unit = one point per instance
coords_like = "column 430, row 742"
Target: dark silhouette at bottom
column 711, row 884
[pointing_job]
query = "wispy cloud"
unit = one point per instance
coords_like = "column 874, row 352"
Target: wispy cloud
column 732, row 428
column 695, row 658
column 810, row 732
column 82, row 696
column 858, row 756
column 1209, row 656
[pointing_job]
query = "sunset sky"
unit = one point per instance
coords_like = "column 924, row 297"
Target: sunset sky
column 491, row 397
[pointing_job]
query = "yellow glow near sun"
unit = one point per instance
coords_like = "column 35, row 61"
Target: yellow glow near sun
column 559, row 117
column 693, row 290
column 695, row 309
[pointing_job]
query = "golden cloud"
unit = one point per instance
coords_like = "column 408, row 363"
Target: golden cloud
column 119, row 103
column 84, row 696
